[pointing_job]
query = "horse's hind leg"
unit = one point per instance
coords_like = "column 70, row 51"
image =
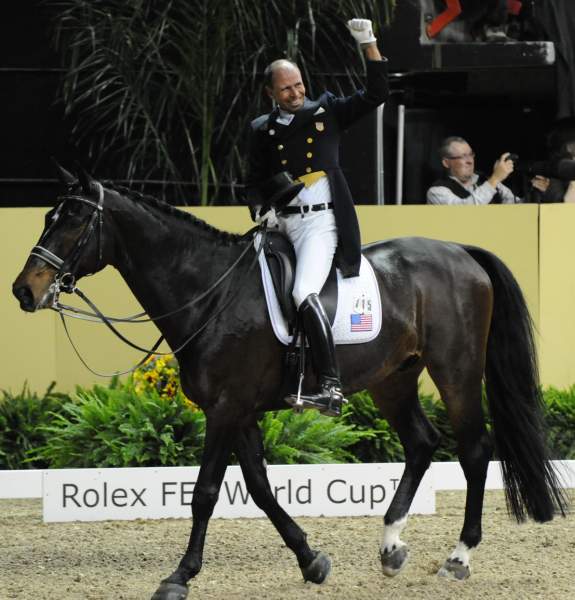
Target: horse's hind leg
column 398, row 401
column 315, row 566
column 474, row 448
column 217, row 449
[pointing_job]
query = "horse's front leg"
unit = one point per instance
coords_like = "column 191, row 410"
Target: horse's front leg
column 315, row 566
column 217, row 449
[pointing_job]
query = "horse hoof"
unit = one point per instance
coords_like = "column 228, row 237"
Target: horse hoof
column 318, row 569
column 393, row 562
column 454, row 570
column 170, row 591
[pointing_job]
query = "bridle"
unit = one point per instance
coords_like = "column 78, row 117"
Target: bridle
column 66, row 275
column 65, row 279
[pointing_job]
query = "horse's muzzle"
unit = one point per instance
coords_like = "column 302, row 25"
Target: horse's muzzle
column 24, row 295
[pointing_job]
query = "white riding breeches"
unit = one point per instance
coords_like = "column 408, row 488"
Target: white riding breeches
column 314, row 237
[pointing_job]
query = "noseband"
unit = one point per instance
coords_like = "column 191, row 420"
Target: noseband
column 65, row 278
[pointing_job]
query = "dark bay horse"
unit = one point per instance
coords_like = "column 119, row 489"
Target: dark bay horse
column 453, row 309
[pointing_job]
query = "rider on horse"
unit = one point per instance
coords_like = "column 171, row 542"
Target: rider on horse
column 300, row 139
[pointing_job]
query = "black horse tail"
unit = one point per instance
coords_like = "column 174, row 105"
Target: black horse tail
column 532, row 486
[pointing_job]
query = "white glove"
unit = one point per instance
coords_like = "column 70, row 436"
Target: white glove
column 269, row 218
column 361, row 30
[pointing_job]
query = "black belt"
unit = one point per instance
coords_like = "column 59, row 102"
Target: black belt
column 296, row 210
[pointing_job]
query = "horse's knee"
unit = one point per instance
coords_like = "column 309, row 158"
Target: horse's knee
column 204, row 501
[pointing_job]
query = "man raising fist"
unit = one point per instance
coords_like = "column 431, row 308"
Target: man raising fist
column 295, row 147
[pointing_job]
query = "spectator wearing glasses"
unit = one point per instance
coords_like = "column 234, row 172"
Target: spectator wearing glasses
column 460, row 184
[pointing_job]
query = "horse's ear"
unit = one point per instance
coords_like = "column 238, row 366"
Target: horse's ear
column 64, row 176
column 85, row 180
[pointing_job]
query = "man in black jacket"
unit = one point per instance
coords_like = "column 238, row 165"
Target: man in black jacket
column 300, row 138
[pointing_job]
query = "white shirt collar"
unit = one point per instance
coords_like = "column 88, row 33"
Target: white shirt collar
column 285, row 118
column 470, row 185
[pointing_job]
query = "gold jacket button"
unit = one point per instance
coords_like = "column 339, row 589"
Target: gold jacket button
column 280, row 147
column 284, row 162
column 308, row 169
column 310, row 140
column 309, row 154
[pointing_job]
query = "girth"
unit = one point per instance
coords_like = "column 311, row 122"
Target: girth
column 281, row 260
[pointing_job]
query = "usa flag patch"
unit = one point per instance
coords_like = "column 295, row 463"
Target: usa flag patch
column 361, row 322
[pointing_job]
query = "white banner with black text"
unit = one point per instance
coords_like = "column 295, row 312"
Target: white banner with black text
column 156, row 493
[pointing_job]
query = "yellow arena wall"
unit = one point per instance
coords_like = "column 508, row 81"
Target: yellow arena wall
column 534, row 241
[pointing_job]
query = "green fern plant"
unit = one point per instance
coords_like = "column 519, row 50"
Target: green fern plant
column 308, row 438
column 123, row 425
column 116, row 427
column 22, row 417
column 381, row 443
column 560, row 419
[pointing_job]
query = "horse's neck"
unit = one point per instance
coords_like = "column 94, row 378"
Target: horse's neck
column 167, row 260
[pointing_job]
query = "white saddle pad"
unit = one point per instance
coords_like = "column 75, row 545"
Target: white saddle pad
column 358, row 316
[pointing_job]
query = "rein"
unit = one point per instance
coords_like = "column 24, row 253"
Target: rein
column 98, row 316
column 65, row 281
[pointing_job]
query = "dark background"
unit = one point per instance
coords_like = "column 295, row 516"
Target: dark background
column 501, row 108
column 499, row 97
column 33, row 126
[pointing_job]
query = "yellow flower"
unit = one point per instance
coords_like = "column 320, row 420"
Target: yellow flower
column 161, row 374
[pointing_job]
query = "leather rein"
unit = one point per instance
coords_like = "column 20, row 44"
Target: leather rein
column 65, row 281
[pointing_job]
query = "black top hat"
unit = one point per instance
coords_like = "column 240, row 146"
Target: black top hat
column 279, row 189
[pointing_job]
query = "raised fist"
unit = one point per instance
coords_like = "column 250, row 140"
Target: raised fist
column 361, row 30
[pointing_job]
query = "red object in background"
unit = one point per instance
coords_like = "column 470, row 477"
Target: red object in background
column 514, row 7
column 453, row 10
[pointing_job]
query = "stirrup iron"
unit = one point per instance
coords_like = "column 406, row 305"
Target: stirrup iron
column 332, row 408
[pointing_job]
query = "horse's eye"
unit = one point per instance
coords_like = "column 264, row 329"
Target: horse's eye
column 74, row 209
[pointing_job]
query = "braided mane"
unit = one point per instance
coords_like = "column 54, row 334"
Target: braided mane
column 225, row 237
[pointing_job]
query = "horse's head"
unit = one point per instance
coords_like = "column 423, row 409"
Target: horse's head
column 70, row 246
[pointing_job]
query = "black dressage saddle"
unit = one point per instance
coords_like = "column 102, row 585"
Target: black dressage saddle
column 280, row 257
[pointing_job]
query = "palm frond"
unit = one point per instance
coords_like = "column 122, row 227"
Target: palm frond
column 165, row 89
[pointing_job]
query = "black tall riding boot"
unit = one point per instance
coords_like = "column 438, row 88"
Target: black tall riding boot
column 329, row 398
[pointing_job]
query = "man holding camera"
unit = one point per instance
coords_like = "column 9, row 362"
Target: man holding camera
column 299, row 140
column 462, row 185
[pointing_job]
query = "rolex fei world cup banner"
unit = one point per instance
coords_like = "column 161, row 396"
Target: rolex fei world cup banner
column 158, row 493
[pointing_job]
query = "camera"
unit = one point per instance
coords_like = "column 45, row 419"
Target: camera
column 561, row 168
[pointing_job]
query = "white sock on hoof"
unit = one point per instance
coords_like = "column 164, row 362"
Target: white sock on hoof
column 461, row 554
column 391, row 535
